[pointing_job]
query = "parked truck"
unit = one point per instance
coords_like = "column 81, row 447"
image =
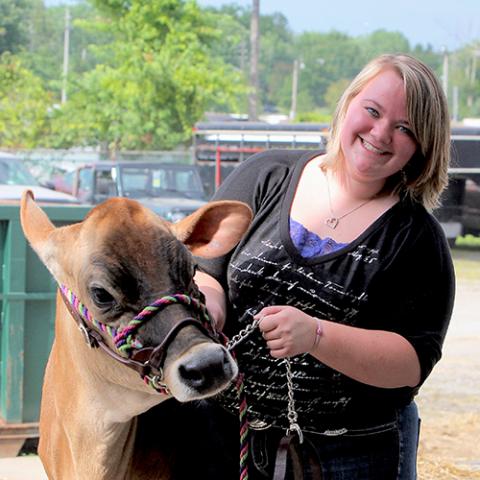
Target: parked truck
column 173, row 191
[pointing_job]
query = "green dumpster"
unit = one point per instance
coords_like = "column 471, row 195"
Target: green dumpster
column 27, row 304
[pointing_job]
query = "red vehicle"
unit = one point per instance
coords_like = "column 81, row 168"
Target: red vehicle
column 15, row 178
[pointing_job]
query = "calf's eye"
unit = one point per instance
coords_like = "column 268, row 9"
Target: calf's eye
column 101, row 297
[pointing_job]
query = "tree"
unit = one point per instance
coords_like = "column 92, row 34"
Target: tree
column 334, row 92
column 327, row 58
column 13, row 27
column 464, row 76
column 43, row 53
column 159, row 80
column 381, row 41
column 277, row 57
column 253, row 95
column 142, row 72
column 24, row 105
column 276, row 52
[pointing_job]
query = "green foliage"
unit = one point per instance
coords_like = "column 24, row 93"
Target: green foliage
column 314, row 117
column 13, row 27
column 24, row 105
column 380, row 42
column 44, row 53
column 468, row 241
column 276, row 51
column 159, row 82
column 327, row 58
column 464, row 66
column 276, row 59
column 142, row 72
column 334, row 92
column 231, row 41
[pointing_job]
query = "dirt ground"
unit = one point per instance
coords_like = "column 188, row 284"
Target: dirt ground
column 449, row 401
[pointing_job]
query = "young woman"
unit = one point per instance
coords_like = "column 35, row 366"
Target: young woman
column 349, row 276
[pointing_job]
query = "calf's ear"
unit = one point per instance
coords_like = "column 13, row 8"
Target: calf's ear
column 50, row 243
column 215, row 228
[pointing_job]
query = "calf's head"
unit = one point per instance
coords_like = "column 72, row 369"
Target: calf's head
column 123, row 257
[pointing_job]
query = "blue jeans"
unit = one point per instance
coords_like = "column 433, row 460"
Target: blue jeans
column 409, row 435
column 384, row 452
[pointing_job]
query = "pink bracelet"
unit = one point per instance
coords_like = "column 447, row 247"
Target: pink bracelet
column 318, row 331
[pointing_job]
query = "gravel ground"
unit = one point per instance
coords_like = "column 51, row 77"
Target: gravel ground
column 449, row 401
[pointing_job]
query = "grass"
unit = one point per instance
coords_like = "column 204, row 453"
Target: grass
column 467, row 263
column 466, row 257
column 468, row 241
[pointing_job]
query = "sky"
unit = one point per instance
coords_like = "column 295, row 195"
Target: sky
column 441, row 23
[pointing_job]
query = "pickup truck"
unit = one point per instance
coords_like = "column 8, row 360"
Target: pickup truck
column 171, row 190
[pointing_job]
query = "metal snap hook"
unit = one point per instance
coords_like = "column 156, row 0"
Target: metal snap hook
column 295, row 427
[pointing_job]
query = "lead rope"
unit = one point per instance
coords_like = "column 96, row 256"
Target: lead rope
column 242, row 400
column 292, row 415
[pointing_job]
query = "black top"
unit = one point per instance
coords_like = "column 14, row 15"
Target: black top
column 396, row 276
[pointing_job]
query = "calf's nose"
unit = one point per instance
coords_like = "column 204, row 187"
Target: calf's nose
column 203, row 371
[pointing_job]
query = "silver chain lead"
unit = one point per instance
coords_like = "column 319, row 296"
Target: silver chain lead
column 291, row 412
column 242, row 335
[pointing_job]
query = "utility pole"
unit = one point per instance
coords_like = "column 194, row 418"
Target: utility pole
column 455, row 104
column 254, row 54
column 293, row 107
column 445, row 71
column 473, row 71
column 473, row 74
column 66, row 50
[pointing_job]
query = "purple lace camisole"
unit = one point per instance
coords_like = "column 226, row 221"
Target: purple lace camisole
column 309, row 244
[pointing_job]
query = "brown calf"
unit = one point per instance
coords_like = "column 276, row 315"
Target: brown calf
column 121, row 258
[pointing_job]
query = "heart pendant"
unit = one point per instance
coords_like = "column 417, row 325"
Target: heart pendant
column 331, row 222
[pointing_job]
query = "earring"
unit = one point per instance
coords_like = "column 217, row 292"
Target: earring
column 404, row 176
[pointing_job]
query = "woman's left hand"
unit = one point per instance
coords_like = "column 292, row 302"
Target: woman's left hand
column 287, row 330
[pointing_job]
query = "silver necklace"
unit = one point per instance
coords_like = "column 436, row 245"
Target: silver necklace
column 332, row 221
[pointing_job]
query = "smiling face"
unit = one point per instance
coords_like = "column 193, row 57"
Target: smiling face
column 376, row 138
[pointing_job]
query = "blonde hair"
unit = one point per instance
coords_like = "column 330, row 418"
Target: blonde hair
column 426, row 174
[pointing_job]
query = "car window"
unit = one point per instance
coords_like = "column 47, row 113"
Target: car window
column 161, row 181
column 13, row 172
column 85, row 178
column 136, row 182
column 185, row 180
column 105, row 186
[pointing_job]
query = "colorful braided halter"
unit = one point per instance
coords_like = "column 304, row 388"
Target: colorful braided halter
column 126, row 343
column 84, row 313
column 124, row 339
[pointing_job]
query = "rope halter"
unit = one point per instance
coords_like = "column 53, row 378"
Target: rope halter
column 147, row 361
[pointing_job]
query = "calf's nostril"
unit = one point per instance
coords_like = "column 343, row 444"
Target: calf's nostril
column 202, row 371
column 192, row 374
